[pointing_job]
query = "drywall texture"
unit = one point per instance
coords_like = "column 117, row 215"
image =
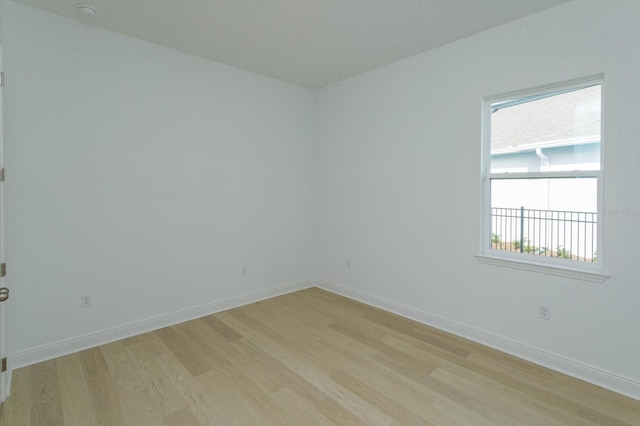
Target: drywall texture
column 399, row 184
column 144, row 176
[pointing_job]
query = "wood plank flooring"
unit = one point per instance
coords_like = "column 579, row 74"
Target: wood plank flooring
column 306, row 358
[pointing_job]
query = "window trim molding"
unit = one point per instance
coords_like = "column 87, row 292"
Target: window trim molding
column 595, row 276
column 486, row 255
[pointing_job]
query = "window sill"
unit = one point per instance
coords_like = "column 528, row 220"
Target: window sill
column 577, row 274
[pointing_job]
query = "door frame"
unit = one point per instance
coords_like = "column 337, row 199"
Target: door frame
column 5, row 377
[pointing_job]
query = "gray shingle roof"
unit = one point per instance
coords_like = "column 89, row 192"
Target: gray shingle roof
column 565, row 119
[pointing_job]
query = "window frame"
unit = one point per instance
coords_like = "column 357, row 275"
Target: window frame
column 593, row 272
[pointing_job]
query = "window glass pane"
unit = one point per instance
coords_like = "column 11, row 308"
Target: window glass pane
column 558, row 131
column 545, row 217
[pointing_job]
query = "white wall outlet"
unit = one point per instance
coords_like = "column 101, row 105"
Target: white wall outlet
column 245, row 270
column 348, row 264
column 544, row 312
column 86, row 300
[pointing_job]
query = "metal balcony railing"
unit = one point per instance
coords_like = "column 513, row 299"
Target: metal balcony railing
column 552, row 233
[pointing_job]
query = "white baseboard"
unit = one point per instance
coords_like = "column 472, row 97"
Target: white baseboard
column 87, row 341
column 623, row 385
column 605, row 379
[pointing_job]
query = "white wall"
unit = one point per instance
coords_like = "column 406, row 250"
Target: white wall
column 399, row 166
column 144, row 176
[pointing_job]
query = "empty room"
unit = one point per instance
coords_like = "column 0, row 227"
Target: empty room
column 319, row 212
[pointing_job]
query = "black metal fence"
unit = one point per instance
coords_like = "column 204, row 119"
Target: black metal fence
column 551, row 233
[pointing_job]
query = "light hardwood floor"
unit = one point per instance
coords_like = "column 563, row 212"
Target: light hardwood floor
column 307, row 358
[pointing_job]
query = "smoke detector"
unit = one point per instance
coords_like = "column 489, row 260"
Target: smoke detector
column 87, row 10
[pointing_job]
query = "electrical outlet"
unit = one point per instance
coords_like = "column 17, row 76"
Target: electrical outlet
column 348, row 264
column 245, row 271
column 544, row 312
column 86, row 300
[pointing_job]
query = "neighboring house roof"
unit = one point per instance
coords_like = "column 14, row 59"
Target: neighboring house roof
column 570, row 118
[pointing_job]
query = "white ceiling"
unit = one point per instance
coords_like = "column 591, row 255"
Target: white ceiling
column 311, row 43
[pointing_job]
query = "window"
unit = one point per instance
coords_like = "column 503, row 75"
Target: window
column 543, row 178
